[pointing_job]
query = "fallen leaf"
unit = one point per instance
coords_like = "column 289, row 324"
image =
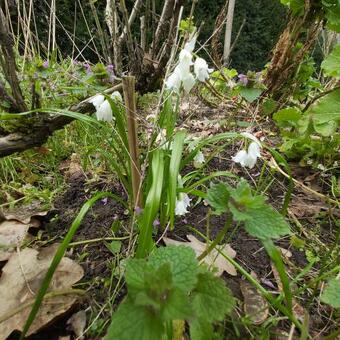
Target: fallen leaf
column 20, row 280
column 214, row 258
column 255, row 305
column 287, row 254
column 12, row 234
column 25, row 213
column 77, row 323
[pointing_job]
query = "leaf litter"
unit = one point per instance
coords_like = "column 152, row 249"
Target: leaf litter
column 19, row 282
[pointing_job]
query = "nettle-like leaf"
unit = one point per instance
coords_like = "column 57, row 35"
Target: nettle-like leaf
column 331, row 65
column 211, row 299
column 332, row 14
column 287, row 117
column 324, row 115
column 183, row 265
column 218, row 197
column 169, row 286
column 250, row 94
column 331, row 294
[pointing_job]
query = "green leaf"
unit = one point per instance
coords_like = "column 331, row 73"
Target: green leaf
column 218, row 197
column 296, row 6
column 287, row 117
column 134, row 274
column 212, row 300
column 324, row 114
column 265, row 222
column 134, row 322
column 177, row 306
column 114, row 246
column 331, row 294
column 201, row 330
column 331, row 65
column 250, row 94
column 183, row 262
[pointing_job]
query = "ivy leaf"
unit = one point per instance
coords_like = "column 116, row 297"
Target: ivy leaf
column 331, row 295
column 183, row 263
column 130, row 320
column 218, row 197
column 212, row 300
column 324, row 114
column 250, row 94
column 331, row 65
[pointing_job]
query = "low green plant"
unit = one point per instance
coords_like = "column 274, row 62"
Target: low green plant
column 170, row 285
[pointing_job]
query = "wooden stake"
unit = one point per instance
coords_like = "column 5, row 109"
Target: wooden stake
column 130, row 104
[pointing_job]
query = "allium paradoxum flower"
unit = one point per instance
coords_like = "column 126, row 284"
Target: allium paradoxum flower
column 182, row 204
column 248, row 158
column 182, row 75
column 103, row 107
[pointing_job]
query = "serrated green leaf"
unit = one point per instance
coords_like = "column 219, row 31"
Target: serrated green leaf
column 183, row 263
column 218, row 197
column 331, row 294
column 265, row 222
column 211, row 299
column 135, row 274
column 134, row 322
column 331, row 65
column 177, row 306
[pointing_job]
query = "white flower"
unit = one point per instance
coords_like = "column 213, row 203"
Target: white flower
column 174, row 81
column 185, row 61
column 117, row 95
column 97, row 100
column 248, row 158
column 104, row 112
column 201, row 69
column 188, row 81
column 199, row 158
column 182, row 204
column 190, row 45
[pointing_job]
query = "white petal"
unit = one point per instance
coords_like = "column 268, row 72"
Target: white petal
column 190, row 45
column 199, row 158
column 250, row 136
column 241, row 157
column 97, row 100
column 117, row 96
column 104, row 112
column 182, row 205
column 174, row 81
column 254, row 150
column 188, row 82
column 185, row 61
column 201, row 69
column 186, row 199
column 250, row 162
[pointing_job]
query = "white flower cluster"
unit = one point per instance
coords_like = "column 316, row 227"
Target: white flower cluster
column 249, row 158
column 103, row 107
column 182, row 74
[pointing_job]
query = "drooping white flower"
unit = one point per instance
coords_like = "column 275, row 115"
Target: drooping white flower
column 117, row 96
column 201, row 69
column 97, row 100
column 248, row 158
column 199, row 158
column 104, row 112
column 188, row 81
column 174, row 81
column 185, row 61
column 182, row 204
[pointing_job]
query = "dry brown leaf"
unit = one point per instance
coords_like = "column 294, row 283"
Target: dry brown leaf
column 78, row 323
column 12, row 234
column 255, row 305
column 20, row 280
column 25, row 213
column 214, row 258
column 287, row 254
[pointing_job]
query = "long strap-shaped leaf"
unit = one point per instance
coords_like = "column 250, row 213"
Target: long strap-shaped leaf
column 151, row 205
column 175, row 162
column 59, row 255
